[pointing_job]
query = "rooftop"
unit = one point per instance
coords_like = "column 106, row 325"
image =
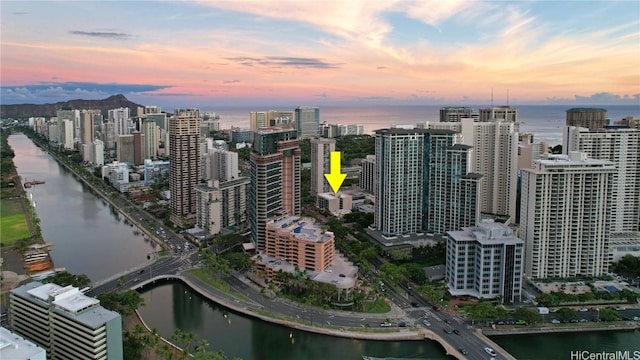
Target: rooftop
column 68, row 301
column 486, row 232
column 302, row 228
column 14, row 346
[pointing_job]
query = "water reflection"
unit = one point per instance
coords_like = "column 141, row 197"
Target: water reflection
column 247, row 338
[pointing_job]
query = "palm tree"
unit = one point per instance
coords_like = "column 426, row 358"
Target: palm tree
column 202, row 346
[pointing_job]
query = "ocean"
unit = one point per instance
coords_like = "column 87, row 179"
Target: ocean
column 544, row 121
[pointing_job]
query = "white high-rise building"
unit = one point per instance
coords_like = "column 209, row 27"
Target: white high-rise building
column 220, row 165
column 307, row 121
column 68, row 324
column 120, row 117
column 622, row 147
column 151, row 133
column 320, row 164
column 485, row 261
column 565, row 216
column 97, row 152
column 66, row 134
column 494, row 156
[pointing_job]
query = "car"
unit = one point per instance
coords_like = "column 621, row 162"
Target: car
column 447, row 330
column 584, row 309
column 402, row 324
column 463, row 351
column 140, row 271
column 426, row 322
column 555, row 321
column 521, row 322
column 414, row 304
column 386, row 324
column 620, row 308
column 490, row 351
column 583, row 320
column 457, row 332
column 447, row 321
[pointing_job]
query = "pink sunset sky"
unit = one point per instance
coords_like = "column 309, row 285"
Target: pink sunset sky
column 321, row 52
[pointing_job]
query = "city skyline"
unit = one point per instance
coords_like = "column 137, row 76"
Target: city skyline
column 222, row 53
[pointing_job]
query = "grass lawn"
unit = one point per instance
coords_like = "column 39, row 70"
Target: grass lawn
column 13, row 224
column 217, row 283
column 378, row 307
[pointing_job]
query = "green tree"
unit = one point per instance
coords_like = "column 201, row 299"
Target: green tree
column 527, row 314
column 64, row 278
column 608, row 315
column 566, row 314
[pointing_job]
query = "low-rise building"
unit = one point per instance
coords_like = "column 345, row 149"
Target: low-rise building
column 15, row 347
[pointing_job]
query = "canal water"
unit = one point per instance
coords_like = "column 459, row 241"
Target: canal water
column 89, row 236
column 92, row 238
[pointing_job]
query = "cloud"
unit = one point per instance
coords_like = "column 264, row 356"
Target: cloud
column 54, row 91
column 19, row 13
column 230, row 81
column 285, row 61
column 102, row 34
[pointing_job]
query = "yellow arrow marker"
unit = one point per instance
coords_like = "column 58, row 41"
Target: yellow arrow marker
column 335, row 178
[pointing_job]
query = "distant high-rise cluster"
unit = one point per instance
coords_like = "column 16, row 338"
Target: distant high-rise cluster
column 590, row 118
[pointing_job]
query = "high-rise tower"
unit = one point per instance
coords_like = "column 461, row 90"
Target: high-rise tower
column 184, row 168
column 307, row 121
column 320, row 164
column 275, row 179
column 565, row 216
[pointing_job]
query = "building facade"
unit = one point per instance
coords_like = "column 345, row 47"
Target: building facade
column 368, row 174
column 221, row 204
column 65, row 322
column 486, row 262
column 307, row 121
column 184, row 164
column 422, row 182
column 565, row 216
column 590, row 118
column 275, row 179
column 456, row 113
column 504, row 113
column 121, row 119
column 320, row 164
column 622, row 147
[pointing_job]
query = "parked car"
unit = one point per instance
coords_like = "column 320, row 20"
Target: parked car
column 555, row 321
column 386, row 324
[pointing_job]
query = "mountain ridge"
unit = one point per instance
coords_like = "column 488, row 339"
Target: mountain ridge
column 49, row 110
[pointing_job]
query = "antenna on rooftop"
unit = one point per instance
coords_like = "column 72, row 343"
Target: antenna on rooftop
column 507, row 97
column 491, row 97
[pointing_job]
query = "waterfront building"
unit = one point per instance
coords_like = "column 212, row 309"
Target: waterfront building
column 590, row 118
column 307, row 120
column 87, row 131
column 97, row 153
column 116, row 172
column 300, row 242
column 422, row 182
column 15, row 347
column 330, row 131
column 221, row 204
column 485, row 261
column 151, row 133
column 275, row 179
column 70, row 115
column 622, row 147
column 269, row 118
column 66, row 133
column 65, row 322
column 121, row 120
column 184, row 160
column 53, row 130
column 125, row 151
column 320, row 164
column 565, row 216
column 368, row 174
column 494, row 113
column 456, row 113
column 632, row 122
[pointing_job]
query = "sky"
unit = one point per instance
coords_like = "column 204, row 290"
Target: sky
column 321, row 52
